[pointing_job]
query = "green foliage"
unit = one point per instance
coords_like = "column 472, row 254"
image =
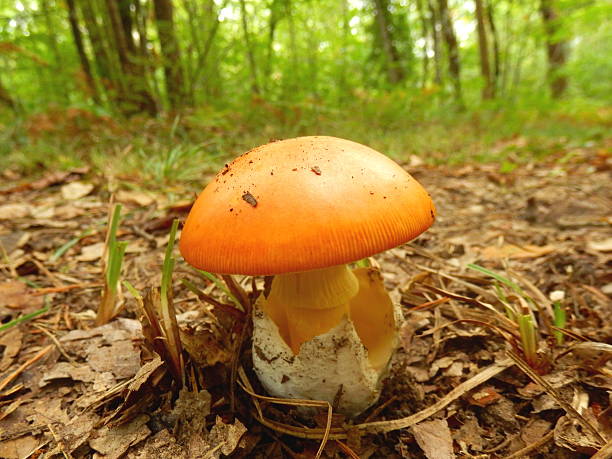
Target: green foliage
column 319, row 67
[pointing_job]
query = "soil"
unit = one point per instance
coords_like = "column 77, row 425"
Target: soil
column 463, row 383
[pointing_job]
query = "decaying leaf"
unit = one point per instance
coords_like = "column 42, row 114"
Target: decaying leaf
column 515, row 252
column 17, row 295
column 76, row 190
column 18, row 448
column 434, row 438
column 11, row 341
column 14, row 210
column 91, row 252
column 112, row 443
column 224, row 438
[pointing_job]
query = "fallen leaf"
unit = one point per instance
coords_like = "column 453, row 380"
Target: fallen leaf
column 434, row 438
column 17, row 295
column 91, row 252
column 144, row 373
column 601, row 246
column 113, row 442
column 135, row 197
column 515, row 251
column 11, row 341
column 13, row 240
column 76, row 190
column 484, row 396
column 67, row 370
column 121, row 358
column 15, row 210
column 225, row 437
column 18, row 448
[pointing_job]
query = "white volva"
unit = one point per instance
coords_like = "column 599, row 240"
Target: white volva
column 343, row 365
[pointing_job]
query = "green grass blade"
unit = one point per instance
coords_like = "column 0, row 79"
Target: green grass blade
column 26, row 317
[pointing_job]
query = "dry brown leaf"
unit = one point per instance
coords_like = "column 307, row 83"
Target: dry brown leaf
column 18, row 448
column 121, row 358
column 76, row 190
column 91, row 252
column 11, row 341
column 17, row 295
column 601, row 246
column 470, row 436
column 225, row 437
column 144, row 373
column 534, row 431
column 484, row 396
column 515, row 251
column 67, row 370
column 112, row 443
column 434, row 438
column 140, row 198
column 14, row 210
column 13, row 240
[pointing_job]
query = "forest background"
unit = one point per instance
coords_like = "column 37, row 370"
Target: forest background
column 167, row 87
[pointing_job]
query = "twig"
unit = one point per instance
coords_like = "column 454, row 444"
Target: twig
column 523, row 452
column 337, row 433
column 39, row 355
column 63, row 288
column 604, row 453
column 569, row 409
column 347, row 450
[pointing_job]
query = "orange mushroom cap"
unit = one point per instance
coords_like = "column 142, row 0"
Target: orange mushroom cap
column 302, row 204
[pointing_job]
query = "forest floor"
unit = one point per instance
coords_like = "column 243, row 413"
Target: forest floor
column 458, row 385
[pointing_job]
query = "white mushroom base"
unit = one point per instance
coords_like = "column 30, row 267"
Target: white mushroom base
column 333, row 367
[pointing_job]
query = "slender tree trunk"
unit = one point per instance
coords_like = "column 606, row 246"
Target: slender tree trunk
column 58, row 66
column 556, row 48
column 425, row 36
column 249, row 48
column 454, row 64
column 395, row 72
column 104, row 63
column 272, row 23
column 6, row 98
column 171, row 53
column 436, row 39
column 483, row 48
column 136, row 96
column 496, row 52
column 80, row 47
column 127, row 24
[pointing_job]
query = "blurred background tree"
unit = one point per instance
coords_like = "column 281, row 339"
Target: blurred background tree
column 297, row 63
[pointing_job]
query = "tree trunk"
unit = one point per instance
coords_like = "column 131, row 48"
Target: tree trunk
column 272, row 23
column 164, row 18
column 483, row 48
column 136, row 96
column 556, row 48
column 395, row 72
column 104, row 63
column 425, row 36
column 80, row 47
column 435, row 35
column 496, row 52
column 127, row 24
column 454, row 64
column 6, row 98
column 249, row 48
column 58, row 66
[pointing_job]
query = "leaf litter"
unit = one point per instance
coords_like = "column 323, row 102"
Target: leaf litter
column 458, row 385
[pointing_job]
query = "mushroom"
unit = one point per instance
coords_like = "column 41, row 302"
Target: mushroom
column 301, row 210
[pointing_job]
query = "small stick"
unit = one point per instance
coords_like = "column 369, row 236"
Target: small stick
column 39, row 355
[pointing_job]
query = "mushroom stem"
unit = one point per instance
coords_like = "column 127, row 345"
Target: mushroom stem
column 313, row 302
